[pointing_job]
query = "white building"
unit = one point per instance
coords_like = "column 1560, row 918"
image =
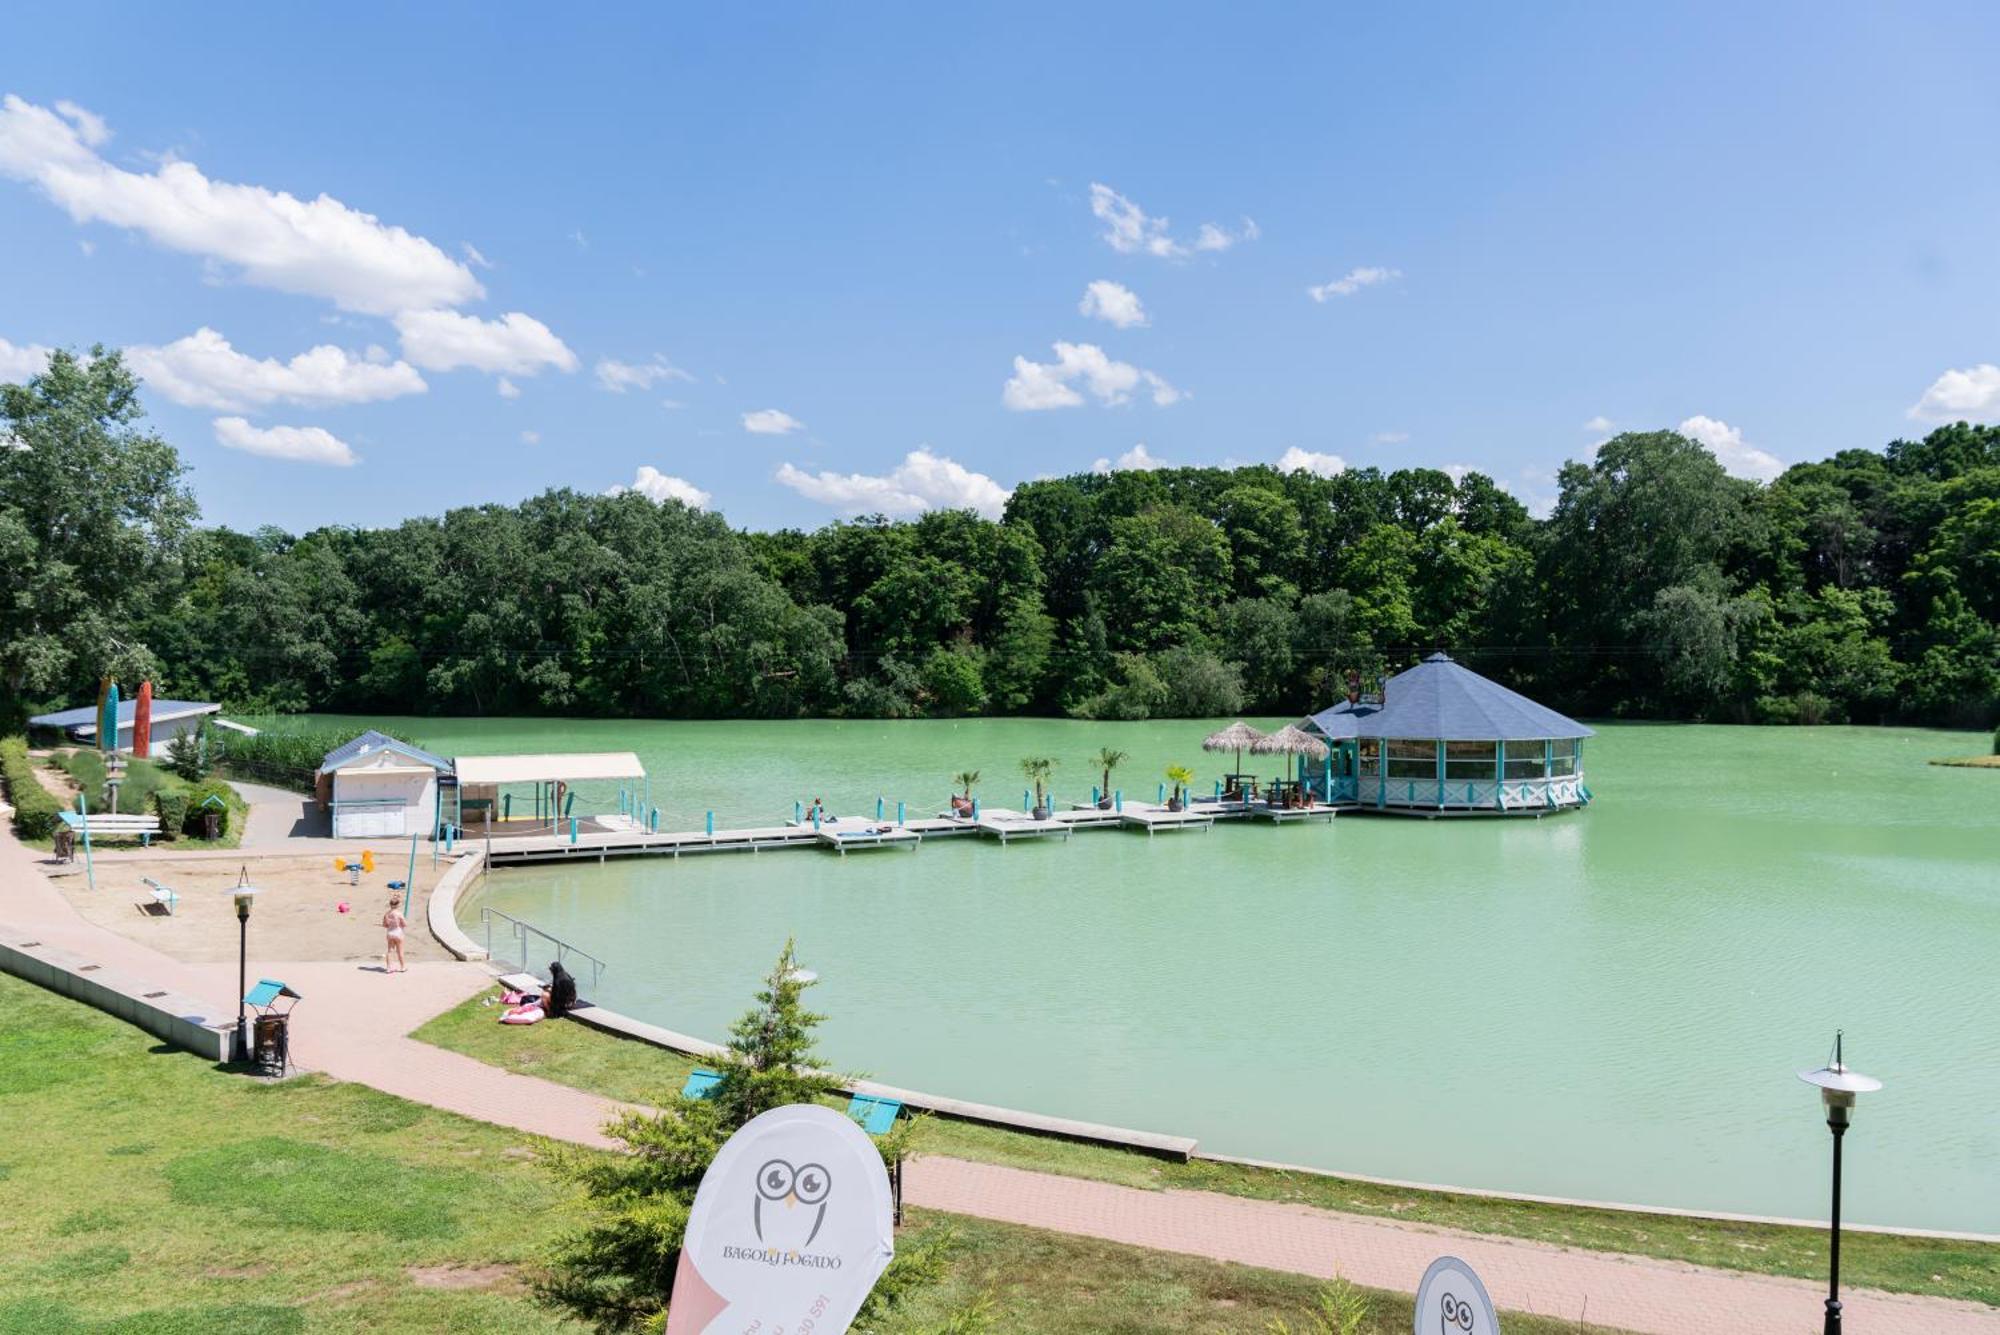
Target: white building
column 376, row 786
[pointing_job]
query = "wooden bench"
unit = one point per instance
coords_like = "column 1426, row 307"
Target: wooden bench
column 111, row 826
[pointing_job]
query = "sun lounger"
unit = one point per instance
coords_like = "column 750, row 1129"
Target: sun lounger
column 164, row 896
column 877, row 1116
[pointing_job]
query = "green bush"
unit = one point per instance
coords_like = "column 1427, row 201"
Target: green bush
column 198, row 807
column 288, row 759
column 35, row 809
column 172, row 806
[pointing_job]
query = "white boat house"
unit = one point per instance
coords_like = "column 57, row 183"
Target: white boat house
column 1442, row 740
column 376, row 786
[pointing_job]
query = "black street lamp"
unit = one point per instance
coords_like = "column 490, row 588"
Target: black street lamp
column 244, row 894
column 1837, row 1088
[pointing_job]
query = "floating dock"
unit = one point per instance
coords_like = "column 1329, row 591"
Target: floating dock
column 603, row 838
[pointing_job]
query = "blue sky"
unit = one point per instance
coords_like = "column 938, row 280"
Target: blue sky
column 515, row 249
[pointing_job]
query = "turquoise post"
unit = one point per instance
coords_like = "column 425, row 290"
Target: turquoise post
column 899, row 811
column 572, row 829
column 815, row 818
column 649, row 790
column 710, row 825
column 89, row 868
column 878, row 806
column 1026, row 798
column 1500, row 777
column 1440, row 749
column 798, row 813
column 1094, row 798
column 507, row 807
column 410, row 886
column 1162, row 799
column 1118, row 800
column 975, row 808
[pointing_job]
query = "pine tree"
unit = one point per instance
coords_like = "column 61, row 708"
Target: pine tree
column 617, row 1271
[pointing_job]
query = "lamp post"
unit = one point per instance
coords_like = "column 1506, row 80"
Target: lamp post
column 1838, row 1087
column 244, row 894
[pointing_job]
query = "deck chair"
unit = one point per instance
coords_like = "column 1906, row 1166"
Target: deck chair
column 877, row 1117
column 164, row 896
column 701, row 1083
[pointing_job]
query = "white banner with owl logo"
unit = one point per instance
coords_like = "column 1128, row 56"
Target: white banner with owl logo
column 791, row 1227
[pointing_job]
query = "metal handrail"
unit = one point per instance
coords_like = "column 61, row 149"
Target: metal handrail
column 523, row 930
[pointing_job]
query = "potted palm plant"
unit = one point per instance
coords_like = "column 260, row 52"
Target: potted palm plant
column 1108, row 760
column 1180, row 776
column 1037, row 769
column 961, row 803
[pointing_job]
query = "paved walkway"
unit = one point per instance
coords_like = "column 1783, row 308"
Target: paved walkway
column 354, row 1022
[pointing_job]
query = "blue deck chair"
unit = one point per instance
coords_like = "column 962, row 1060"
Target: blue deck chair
column 701, row 1083
column 877, row 1116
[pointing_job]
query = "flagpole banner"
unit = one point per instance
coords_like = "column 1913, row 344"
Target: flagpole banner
column 791, row 1227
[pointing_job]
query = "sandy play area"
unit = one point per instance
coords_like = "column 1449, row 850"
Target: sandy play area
column 296, row 916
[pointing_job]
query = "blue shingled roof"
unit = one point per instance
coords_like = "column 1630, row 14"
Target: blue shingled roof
column 372, row 741
column 1439, row 698
column 84, row 720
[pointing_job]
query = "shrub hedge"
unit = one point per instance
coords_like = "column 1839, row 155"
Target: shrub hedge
column 288, row 759
column 35, row 809
column 172, row 806
column 192, row 822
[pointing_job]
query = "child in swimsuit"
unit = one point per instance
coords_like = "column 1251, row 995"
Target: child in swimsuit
column 393, row 923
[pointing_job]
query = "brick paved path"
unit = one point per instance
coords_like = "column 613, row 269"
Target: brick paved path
column 354, row 1022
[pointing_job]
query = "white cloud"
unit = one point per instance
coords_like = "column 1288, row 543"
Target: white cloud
column 506, row 388
column 19, row 362
column 1296, row 460
column 1211, row 237
column 302, row 444
column 473, row 257
column 771, row 422
column 1113, row 303
column 318, row 247
column 514, row 344
column 531, row 437
column 1368, row 275
column 1138, row 459
column 1727, row 444
column 651, row 483
column 1039, row 385
column 1971, row 395
column 923, row 481
column 1389, row 437
column 618, row 376
column 90, row 126
column 1130, row 231
column 672, row 403
column 202, row 370
column 1600, row 425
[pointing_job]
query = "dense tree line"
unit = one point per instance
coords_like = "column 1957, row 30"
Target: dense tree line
column 1864, row 587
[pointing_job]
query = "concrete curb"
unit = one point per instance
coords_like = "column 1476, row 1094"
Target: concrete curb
column 180, row 1020
column 441, row 913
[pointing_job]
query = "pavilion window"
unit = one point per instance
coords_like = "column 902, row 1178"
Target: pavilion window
column 1469, row 762
column 1562, row 757
column 1416, row 760
column 1525, row 760
column 1369, row 753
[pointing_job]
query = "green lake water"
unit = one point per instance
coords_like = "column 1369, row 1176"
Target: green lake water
column 1606, row 1004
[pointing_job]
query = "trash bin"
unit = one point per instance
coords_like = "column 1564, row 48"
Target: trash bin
column 270, row 1043
column 211, row 825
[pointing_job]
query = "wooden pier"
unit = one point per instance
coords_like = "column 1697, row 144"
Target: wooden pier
column 601, row 838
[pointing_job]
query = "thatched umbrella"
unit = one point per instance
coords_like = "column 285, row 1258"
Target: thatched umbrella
column 1290, row 740
column 1233, row 738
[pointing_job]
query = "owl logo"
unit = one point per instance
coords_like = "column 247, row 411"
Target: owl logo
column 799, row 1191
column 1455, row 1316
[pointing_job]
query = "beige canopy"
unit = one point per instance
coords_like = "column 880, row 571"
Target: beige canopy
column 564, row 767
column 1233, row 738
column 1289, row 740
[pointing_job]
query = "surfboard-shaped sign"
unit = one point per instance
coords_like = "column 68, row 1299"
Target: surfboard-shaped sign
column 791, row 1227
column 1452, row 1301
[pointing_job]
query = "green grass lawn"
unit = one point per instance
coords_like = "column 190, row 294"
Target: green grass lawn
column 86, row 769
column 573, row 1054
column 145, row 1192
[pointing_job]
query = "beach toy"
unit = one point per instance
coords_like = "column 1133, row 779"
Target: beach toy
column 341, row 907
column 522, row 1015
column 368, row 861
